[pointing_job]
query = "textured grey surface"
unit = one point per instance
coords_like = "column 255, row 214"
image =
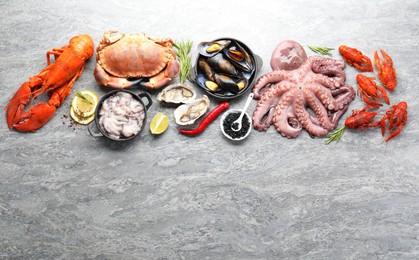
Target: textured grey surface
column 66, row 195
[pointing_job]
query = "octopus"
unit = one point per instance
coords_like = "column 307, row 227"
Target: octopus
column 301, row 93
column 121, row 116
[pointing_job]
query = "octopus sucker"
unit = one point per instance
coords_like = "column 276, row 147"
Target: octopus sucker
column 324, row 95
column 267, row 105
column 265, row 82
column 301, row 93
column 320, row 111
column 286, row 122
column 303, row 115
column 343, row 96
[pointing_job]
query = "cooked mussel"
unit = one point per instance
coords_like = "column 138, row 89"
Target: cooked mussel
column 209, row 49
column 220, row 64
column 206, row 69
column 233, row 84
column 239, row 57
column 207, row 84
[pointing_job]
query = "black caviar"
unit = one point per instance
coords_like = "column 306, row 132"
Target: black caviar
column 227, row 125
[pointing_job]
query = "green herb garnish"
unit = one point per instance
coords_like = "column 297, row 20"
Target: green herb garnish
column 83, row 97
column 183, row 50
column 335, row 135
column 321, row 50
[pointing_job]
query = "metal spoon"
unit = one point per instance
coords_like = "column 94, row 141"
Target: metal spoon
column 237, row 124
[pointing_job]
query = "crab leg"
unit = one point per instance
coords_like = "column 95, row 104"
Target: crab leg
column 163, row 77
column 111, row 81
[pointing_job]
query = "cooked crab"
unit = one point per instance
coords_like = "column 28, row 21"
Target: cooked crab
column 124, row 60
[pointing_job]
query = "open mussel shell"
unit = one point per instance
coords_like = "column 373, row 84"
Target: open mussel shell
column 210, row 49
column 233, row 84
column 210, row 86
column 239, row 57
column 223, row 84
column 206, row 69
column 220, row 64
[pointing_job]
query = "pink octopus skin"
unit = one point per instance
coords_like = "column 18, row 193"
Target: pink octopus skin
column 301, row 93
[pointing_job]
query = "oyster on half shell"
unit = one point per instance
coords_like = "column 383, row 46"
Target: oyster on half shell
column 177, row 94
column 187, row 114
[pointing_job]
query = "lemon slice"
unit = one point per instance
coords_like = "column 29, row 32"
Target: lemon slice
column 82, row 107
column 159, row 123
column 79, row 119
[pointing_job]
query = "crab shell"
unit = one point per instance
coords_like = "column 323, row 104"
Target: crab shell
column 132, row 56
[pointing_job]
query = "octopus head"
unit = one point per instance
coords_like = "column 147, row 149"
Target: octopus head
column 288, row 55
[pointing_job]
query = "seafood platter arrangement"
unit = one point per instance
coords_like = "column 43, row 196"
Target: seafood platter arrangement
column 300, row 93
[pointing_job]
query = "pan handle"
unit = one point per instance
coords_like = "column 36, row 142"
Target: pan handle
column 148, row 97
column 259, row 62
column 92, row 132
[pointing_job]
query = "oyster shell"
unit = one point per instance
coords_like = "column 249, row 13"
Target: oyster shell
column 177, row 94
column 187, row 114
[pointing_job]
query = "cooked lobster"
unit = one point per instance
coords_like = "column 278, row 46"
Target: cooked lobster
column 57, row 79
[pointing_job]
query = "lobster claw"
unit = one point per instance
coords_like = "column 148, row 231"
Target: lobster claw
column 34, row 118
column 17, row 103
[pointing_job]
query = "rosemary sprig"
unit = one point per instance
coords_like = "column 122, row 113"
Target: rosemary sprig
column 83, row 97
column 335, row 135
column 321, row 50
column 183, row 50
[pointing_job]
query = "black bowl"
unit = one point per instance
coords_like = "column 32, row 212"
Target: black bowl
column 102, row 132
column 250, row 76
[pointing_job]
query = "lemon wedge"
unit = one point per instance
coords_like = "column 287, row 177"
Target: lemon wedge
column 84, row 103
column 159, row 123
column 79, row 119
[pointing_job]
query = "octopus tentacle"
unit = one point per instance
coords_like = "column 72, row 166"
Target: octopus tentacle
column 264, row 82
column 315, row 104
column 265, row 109
column 304, row 117
column 329, row 71
column 343, row 96
column 327, row 62
column 326, row 81
column 285, row 119
column 324, row 94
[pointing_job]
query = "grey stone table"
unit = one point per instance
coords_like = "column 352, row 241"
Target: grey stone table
column 66, row 195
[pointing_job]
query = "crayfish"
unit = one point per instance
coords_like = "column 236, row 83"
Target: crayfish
column 355, row 58
column 386, row 72
column 361, row 118
column 370, row 91
column 57, row 79
column 396, row 117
